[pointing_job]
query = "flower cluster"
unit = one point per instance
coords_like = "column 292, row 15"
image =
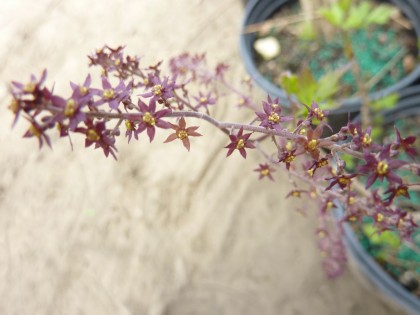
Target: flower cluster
column 135, row 101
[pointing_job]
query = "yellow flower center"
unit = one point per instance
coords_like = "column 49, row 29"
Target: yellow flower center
column 289, row 159
column 274, row 106
column 129, row 125
column 382, row 168
column 312, row 145
column 83, row 90
column 265, row 172
column 351, row 201
column 149, row 119
column 367, row 139
column 311, row 172
column 289, row 146
column 240, row 144
column 322, row 234
column 70, row 108
column 379, row 217
column 322, row 163
column 302, row 131
column 117, row 62
column 296, row 194
column 274, row 117
column 330, row 204
column 146, row 81
column 14, row 106
column 313, row 194
column 108, row 94
column 92, row 135
column 182, row 134
column 157, row 89
column 319, row 113
column 352, row 218
column 29, row 87
column 203, row 100
column 34, row 131
column 241, row 101
column 344, row 180
column 401, row 192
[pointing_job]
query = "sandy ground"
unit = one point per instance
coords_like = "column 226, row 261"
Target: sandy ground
column 160, row 231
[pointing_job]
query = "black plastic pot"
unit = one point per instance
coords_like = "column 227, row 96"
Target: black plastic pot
column 408, row 106
column 260, row 10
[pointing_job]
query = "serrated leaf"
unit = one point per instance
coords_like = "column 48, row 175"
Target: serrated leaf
column 380, row 15
column 335, row 15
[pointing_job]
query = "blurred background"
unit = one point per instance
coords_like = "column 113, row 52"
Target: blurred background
column 161, row 231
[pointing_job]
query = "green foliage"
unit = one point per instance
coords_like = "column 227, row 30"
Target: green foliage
column 348, row 16
column 334, row 14
column 386, row 102
column 307, row 31
column 387, row 239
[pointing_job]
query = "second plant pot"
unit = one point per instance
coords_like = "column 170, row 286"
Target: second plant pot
column 258, row 11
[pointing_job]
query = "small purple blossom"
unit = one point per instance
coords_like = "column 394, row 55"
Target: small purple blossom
column 161, row 90
column 405, row 144
column 265, row 170
column 272, row 117
column 240, row 142
column 381, row 166
column 150, row 119
column 113, row 96
column 99, row 136
column 204, row 100
column 182, row 132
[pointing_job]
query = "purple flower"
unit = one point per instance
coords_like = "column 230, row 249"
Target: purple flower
column 160, row 90
column 38, row 131
column 113, row 96
column 131, row 130
column 204, row 100
column 150, row 119
column 239, row 142
column 315, row 111
column 343, row 181
column 83, row 91
column 186, row 64
column 182, row 133
column 381, row 166
column 287, row 157
column 406, row 144
column 97, row 135
column 27, row 96
column 271, row 117
column 264, row 170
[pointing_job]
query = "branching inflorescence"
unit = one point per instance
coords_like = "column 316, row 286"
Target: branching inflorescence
column 133, row 100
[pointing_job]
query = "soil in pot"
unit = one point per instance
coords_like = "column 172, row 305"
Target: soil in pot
column 385, row 53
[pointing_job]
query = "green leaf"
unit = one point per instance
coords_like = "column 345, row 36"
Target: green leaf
column 290, row 83
column 386, row 102
column 380, row 15
column 387, row 238
column 335, row 15
column 345, row 4
column 307, row 31
column 327, row 86
column 307, row 86
column 357, row 16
